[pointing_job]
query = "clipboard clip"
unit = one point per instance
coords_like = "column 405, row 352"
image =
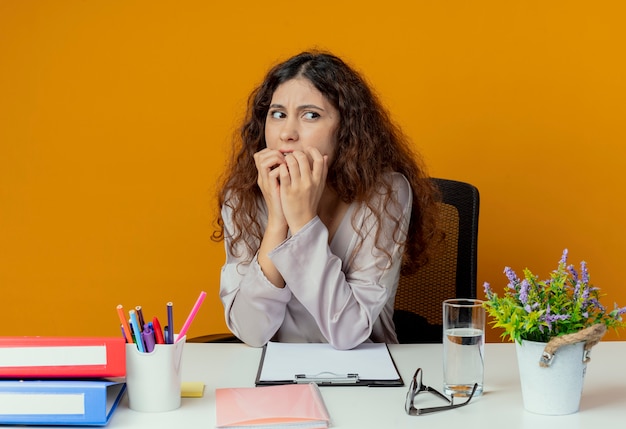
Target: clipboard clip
column 327, row 378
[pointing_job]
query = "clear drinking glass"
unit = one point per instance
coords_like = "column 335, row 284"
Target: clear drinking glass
column 463, row 346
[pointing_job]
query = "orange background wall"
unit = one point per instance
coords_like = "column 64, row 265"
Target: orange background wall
column 115, row 118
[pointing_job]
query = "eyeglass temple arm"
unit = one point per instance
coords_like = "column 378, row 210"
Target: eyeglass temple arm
column 437, row 393
column 422, row 411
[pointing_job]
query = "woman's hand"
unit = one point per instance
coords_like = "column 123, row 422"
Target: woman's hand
column 267, row 162
column 302, row 182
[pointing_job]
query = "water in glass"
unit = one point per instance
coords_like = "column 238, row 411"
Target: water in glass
column 463, row 361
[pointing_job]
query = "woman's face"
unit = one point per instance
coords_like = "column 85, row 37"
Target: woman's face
column 300, row 117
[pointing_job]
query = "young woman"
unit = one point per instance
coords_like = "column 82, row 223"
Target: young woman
column 322, row 205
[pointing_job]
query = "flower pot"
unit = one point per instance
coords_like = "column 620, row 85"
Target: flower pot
column 555, row 389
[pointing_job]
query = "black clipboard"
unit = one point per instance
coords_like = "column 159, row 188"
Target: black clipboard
column 291, row 363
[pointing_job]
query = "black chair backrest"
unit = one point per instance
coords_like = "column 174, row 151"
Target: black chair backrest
column 450, row 272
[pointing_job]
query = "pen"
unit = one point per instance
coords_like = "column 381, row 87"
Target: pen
column 191, row 316
column 166, row 333
column 123, row 333
column 148, row 338
column 135, row 324
column 132, row 332
column 169, row 337
column 158, row 333
column 125, row 328
column 140, row 317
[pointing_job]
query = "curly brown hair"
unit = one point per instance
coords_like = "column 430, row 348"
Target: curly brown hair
column 369, row 146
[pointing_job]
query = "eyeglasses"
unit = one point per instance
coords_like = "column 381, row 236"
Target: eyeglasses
column 416, row 387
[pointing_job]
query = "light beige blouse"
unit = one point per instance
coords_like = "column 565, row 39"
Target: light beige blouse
column 331, row 295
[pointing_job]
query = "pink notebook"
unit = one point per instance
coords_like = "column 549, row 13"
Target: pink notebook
column 292, row 405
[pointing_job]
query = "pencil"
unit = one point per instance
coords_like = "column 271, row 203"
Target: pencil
column 191, row 316
column 125, row 327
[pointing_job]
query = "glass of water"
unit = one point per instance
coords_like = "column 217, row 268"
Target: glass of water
column 463, row 346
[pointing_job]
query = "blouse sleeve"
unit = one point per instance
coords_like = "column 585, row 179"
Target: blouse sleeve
column 254, row 307
column 346, row 297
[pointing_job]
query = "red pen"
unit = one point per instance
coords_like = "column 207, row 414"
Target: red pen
column 158, row 332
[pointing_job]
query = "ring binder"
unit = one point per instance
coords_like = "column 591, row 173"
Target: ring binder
column 62, row 357
column 327, row 378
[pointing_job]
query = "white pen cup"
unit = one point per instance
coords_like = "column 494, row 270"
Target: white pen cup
column 153, row 379
column 463, row 346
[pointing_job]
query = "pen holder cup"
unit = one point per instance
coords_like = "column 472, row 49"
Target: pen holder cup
column 153, row 379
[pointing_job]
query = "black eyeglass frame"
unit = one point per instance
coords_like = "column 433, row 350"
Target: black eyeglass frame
column 415, row 387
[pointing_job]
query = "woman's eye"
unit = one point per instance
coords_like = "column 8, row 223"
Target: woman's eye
column 311, row 115
column 277, row 114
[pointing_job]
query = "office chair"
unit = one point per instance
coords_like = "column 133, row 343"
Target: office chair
column 450, row 272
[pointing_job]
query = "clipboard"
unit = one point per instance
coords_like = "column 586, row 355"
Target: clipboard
column 369, row 364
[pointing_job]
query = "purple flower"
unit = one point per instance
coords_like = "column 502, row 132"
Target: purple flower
column 597, row 304
column 555, row 317
column 513, row 279
column 488, row 291
column 549, row 318
column 563, row 260
column 523, row 292
column 573, row 272
column 585, row 294
column 577, row 290
column 584, row 274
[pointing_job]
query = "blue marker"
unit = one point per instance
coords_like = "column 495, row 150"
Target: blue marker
column 134, row 323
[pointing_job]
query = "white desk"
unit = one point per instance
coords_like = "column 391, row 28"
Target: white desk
column 235, row 365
